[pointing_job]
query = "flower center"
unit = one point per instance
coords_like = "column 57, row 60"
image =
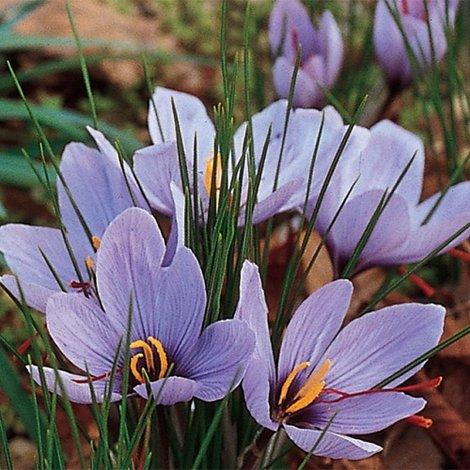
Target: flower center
column 210, row 177
column 151, row 363
column 310, row 390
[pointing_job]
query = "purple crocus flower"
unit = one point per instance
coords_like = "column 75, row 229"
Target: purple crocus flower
column 325, row 374
column 321, row 53
column 402, row 233
column 390, row 46
column 97, row 184
column 157, row 166
column 165, row 336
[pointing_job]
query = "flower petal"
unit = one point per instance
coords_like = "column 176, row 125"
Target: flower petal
column 176, row 238
column 20, row 244
column 253, row 310
column 82, row 332
column 169, row 391
column 35, row 296
column 76, row 392
column 219, row 359
column 389, row 233
column 156, row 167
column 332, row 47
column 192, row 117
column 373, row 347
column 98, row 187
column 314, row 325
column 390, row 149
column 128, row 264
column 335, row 446
column 180, row 301
column 364, row 414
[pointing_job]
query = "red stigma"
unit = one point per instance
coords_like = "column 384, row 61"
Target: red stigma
column 419, row 421
column 24, row 346
column 81, row 286
column 419, row 282
column 460, row 254
column 94, row 378
column 405, row 7
column 426, row 385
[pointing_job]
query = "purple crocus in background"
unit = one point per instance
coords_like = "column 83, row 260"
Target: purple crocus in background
column 98, row 187
column 165, row 336
column 325, row 375
column 157, row 166
column 400, row 235
column 321, row 52
column 390, row 46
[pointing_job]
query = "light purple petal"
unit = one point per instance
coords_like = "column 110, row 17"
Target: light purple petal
column 452, row 214
column 286, row 17
column 128, row 264
column 390, row 149
column 76, row 392
column 314, row 325
column 390, row 231
column 253, row 310
column 98, row 187
column 176, row 238
column 306, row 93
column 156, row 167
column 219, row 359
column 365, row 414
column 34, row 295
column 329, row 35
column 192, row 117
column 169, row 391
column 389, row 46
column 82, row 332
column 335, row 446
column 180, row 301
column 20, row 244
column 281, row 200
column 373, row 347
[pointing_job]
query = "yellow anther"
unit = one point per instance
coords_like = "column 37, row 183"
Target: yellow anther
column 208, row 174
column 290, row 378
column 311, row 389
column 90, row 264
column 96, row 242
column 147, row 352
column 161, row 355
column 133, row 367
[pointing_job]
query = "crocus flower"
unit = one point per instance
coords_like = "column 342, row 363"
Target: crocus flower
column 403, row 233
column 321, row 52
column 327, row 376
column 97, row 184
column 167, row 346
column 157, row 166
column 390, row 46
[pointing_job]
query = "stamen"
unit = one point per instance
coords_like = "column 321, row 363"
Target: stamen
column 147, row 352
column 133, row 366
column 290, row 378
column 420, row 421
column 96, row 242
column 311, row 389
column 208, row 174
column 161, row 355
column 90, row 264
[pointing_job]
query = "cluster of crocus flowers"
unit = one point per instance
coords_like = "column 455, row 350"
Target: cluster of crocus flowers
column 291, row 32
column 327, row 376
column 171, row 356
column 420, row 32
